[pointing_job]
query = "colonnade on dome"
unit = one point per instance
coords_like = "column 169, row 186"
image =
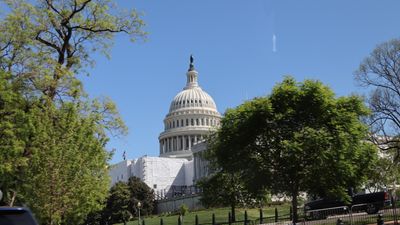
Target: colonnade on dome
column 179, row 143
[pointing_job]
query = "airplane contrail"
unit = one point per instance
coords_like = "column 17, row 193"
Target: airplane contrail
column 273, row 43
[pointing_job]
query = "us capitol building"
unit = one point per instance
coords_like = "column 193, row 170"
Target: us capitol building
column 192, row 115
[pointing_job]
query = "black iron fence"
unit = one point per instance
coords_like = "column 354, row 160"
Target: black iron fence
column 361, row 214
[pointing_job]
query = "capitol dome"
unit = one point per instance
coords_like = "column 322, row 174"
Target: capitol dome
column 192, row 97
column 192, row 114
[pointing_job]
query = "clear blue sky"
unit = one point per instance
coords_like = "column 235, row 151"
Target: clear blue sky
column 232, row 42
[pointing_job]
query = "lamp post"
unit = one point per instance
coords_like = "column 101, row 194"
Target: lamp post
column 138, row 205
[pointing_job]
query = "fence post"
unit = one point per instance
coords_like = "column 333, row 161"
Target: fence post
column 161, row 221
column 213, row 219
column 179, row 220
column 393, row 200
column 276, row 215
column 229, row 218
column 380, row 221
column 196, row 220
column 261, row 217
column 245, row 217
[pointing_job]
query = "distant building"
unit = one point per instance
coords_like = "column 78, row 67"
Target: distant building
column 192, row 115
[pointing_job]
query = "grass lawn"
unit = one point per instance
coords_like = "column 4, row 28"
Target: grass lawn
column 221, row 215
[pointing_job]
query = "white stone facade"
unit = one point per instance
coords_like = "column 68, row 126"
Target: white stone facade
column 191, row 116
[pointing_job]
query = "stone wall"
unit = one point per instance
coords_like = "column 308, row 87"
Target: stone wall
column 172, row 205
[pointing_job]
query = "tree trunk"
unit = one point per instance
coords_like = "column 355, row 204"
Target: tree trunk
column 14, row 196
column 233, row 215
column 294, row 207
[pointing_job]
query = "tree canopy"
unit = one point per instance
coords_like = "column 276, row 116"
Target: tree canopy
column 122, row 203
column 300, row 138
column 53, row 155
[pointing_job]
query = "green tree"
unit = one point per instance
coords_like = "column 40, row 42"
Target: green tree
column 140, row 192
column 224, row 189
column 299, row 138
column 47, row 43
column 183, row 210
column 14, row 131
column 53, row 154
column 117, row 208
column 67, row 176
column 385, row 174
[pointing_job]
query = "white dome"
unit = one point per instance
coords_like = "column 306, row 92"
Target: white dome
column 192, row 98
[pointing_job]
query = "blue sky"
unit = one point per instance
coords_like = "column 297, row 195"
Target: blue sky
column 232, row 43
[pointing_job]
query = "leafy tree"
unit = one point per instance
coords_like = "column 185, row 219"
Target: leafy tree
column 183, row 210
column 299, row 138
column 385, row 174
column 117, row 209
column 121, row 203
column 223, row 189
column 380, row 72
column 14, row 131
column 140, row 192
column 54, row 136
column 47, row 43
column 67, row 176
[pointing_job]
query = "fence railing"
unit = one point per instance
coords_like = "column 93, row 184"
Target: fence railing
column 360, row 214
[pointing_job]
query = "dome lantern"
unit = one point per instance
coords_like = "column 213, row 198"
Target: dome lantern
column 191, row 76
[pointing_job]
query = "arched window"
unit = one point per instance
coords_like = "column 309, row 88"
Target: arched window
column 187, row 122
column 173, row 124
column 182, row 123
column 197, row 122
column 177, row 123
column 207, row 122
column 192, row 122
column 202, row 121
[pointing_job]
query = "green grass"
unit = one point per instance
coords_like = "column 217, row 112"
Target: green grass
column 221, row 215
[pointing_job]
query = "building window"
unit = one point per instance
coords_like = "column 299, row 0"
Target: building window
column 173, row 124
column 177, row 123
column 197, row 122
column 187, row 122
column 192, row 122
column 182, row 123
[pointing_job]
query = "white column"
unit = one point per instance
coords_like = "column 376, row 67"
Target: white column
column 175, row 144
column 190, row 142
column 195, row 139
